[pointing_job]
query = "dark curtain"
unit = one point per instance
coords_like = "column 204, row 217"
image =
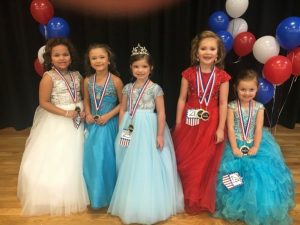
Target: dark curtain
column 166, row 33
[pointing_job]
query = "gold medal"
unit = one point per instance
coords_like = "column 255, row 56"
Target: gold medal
column 205, row 115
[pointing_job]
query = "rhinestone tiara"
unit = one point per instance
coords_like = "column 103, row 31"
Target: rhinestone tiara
column 139, row 50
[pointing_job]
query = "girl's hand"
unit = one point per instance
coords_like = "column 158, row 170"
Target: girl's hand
column 102, row 120
column 219, row 135
column 89, row 118
column 252, row 150
column 237, row 152
column 82, row 115
column 160, row 142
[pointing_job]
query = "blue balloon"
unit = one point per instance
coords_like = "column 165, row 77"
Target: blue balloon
column 43, row 30
column 288, row 33
column 265, row 91
column 58, row 27
column 227, row 39
column 218, row 21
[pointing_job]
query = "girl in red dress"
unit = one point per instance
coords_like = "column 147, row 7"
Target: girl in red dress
column 200, row 120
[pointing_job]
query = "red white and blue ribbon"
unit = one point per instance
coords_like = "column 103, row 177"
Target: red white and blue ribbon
column 245, row 129
column 134, row 108
column 72, row 90
column 98, row 103
column 205, row 89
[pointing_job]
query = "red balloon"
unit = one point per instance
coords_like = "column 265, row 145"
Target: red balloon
column 38, row 67
column 294, row 56
column 41, row 10
column 277, row 69
column 243, row 43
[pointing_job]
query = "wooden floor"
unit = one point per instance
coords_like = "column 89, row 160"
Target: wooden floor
column 11, row 150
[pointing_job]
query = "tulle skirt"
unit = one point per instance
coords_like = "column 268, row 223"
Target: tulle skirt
column 148, row 188
column 268, row 190
column 99, row 165
column 50, row 177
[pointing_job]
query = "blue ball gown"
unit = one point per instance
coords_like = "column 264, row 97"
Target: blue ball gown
column 267, row 192
column 99, row 164
column 148, row 188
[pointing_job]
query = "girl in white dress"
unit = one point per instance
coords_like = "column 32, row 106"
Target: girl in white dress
column 50, row 178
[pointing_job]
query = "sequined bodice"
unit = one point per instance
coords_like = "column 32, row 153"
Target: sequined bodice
column 245, row 113
column 148, row 99
column 60, row 94
column 110, row 98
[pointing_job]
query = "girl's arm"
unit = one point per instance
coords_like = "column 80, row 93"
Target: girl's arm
column 258, row 132
column 231, row 133
column 161, row 121
column 123, row 107
column 45, row 90
column 86, row 102
column 223, row 96
column 181, row 100
column 119, row 87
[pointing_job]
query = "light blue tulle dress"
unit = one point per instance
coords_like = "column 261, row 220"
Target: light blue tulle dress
column 148, row 188
column 99, row 164
column 268, row 190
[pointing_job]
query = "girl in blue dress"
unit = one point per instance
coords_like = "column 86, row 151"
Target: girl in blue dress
column 254, row 184
column 148, row 188
column 102, row 94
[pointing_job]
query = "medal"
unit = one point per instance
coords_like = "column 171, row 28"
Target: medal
column 245, row 129
column 126, row 134
column 207, row 90
column 77, row 118
column 98, row 101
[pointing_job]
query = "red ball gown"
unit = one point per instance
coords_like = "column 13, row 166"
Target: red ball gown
column 198, row 156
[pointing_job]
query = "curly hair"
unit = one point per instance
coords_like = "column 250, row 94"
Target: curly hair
column 53, row 42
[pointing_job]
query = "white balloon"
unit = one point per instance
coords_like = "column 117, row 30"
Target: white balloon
column 236, row 8
column 265, row 47
column 236, row 26
column 41, row 53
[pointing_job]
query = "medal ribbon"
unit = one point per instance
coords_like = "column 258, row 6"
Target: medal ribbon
column 245, row 130
column 73, row 93
column 134, row 108
column 205, row 89
column 98, row 103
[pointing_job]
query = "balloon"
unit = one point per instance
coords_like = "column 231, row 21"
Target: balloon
column 41, row 54
column 236, row 8
column 265, row 47
column 265, row 91
column 294, row 56
column 218, row 21
column 237, row 26
column 38, row 67
column 288, row 33
column 43, row 30
column 227, row 39
column 41, row 10
column 58, row 27
column 243, row 43
column 277, row 69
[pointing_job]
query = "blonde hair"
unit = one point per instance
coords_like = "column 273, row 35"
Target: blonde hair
column 195, row 45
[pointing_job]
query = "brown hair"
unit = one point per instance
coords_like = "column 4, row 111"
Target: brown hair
column 195, row 45
column 112, row 68
column 53, row 42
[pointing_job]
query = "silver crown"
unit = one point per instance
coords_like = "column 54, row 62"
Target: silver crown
column 139, row 50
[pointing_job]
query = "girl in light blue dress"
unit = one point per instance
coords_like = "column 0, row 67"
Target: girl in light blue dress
column 254, row 184
column 102, row 94
column 148, row 188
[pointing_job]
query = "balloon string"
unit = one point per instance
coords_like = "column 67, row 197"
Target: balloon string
column 46, row 32
column 285, row 100
column 238, row 60
column 272, row 110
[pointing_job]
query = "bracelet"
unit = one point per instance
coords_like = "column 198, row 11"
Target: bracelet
column 67, row 113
